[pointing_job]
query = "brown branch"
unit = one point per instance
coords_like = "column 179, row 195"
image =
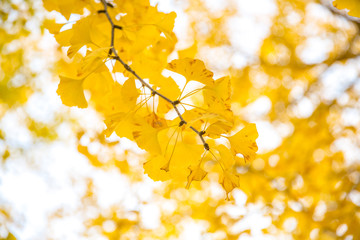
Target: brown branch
column 144, row 83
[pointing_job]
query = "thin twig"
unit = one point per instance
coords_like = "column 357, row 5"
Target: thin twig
column 144, row 83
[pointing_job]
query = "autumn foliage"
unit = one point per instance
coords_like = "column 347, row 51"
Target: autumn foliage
column 134, row 49
column 281, row 75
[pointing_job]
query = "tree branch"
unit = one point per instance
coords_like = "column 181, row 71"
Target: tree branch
column 144, row 83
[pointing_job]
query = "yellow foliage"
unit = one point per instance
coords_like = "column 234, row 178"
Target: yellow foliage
column 229, row 181
column 71, row 92
column 192, row 69
column 244, row 142
column 196, row 174
column 299, row 80
column 175, row 145
column 351, row 5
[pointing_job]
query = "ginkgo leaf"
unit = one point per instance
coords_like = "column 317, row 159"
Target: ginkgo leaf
column 52, row 26
column 100, row 84
column 118, row 67
column 145, row 36
column 188, row 52
column 244, row 142
column 167, row 86
column 147, row 139
column 148, row 66
column 352, row 5
column 71, row 92
column 146, row 133
column 166, row 24
column 152, row 168
column 121, row 123
column 65, row 7
column 155, row 121
column 192, row 69
column 196, row 174
column 63, row 37
column 226, row 157
column 100, row 30
column 81, row 33
column 181, row 150
column 183, row 156
column 217, row 97
column 229, row 181
column 219, row 127
column 163, row 107
column 219, row 92
column 70, row 68
column 129, row 92
column 73, row 49
column 114, row 101
column 196, row 117
column 93, row 61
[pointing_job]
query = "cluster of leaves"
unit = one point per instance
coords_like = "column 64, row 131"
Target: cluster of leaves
column 122, row 36
column 306, row 181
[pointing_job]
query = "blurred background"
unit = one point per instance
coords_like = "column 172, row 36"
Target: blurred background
column 295, row 69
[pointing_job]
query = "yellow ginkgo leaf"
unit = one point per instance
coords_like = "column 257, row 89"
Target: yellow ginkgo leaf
column 188, row 52
column 167, row 86
column 81, row 33
column 176, row 163
column 219, row 127
column 244, row 142
column 129, row 92
column 99, row 84
column 65, row 7
column 196, row 174
column 192, row 69
column 152, row 168
column 219, row 92
column 155, row 121
column 121, row 123
column 166, row 24
column 71, row 92
column 93, row 61
column 115, row 102
column 146, row 132
column 183, row 156
column 63, row 38
column 352, row 5
column 73, row 49
column 226, row 157
column 218, row 98
column 229, row 181
column 147, row 140
column 52, row 26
